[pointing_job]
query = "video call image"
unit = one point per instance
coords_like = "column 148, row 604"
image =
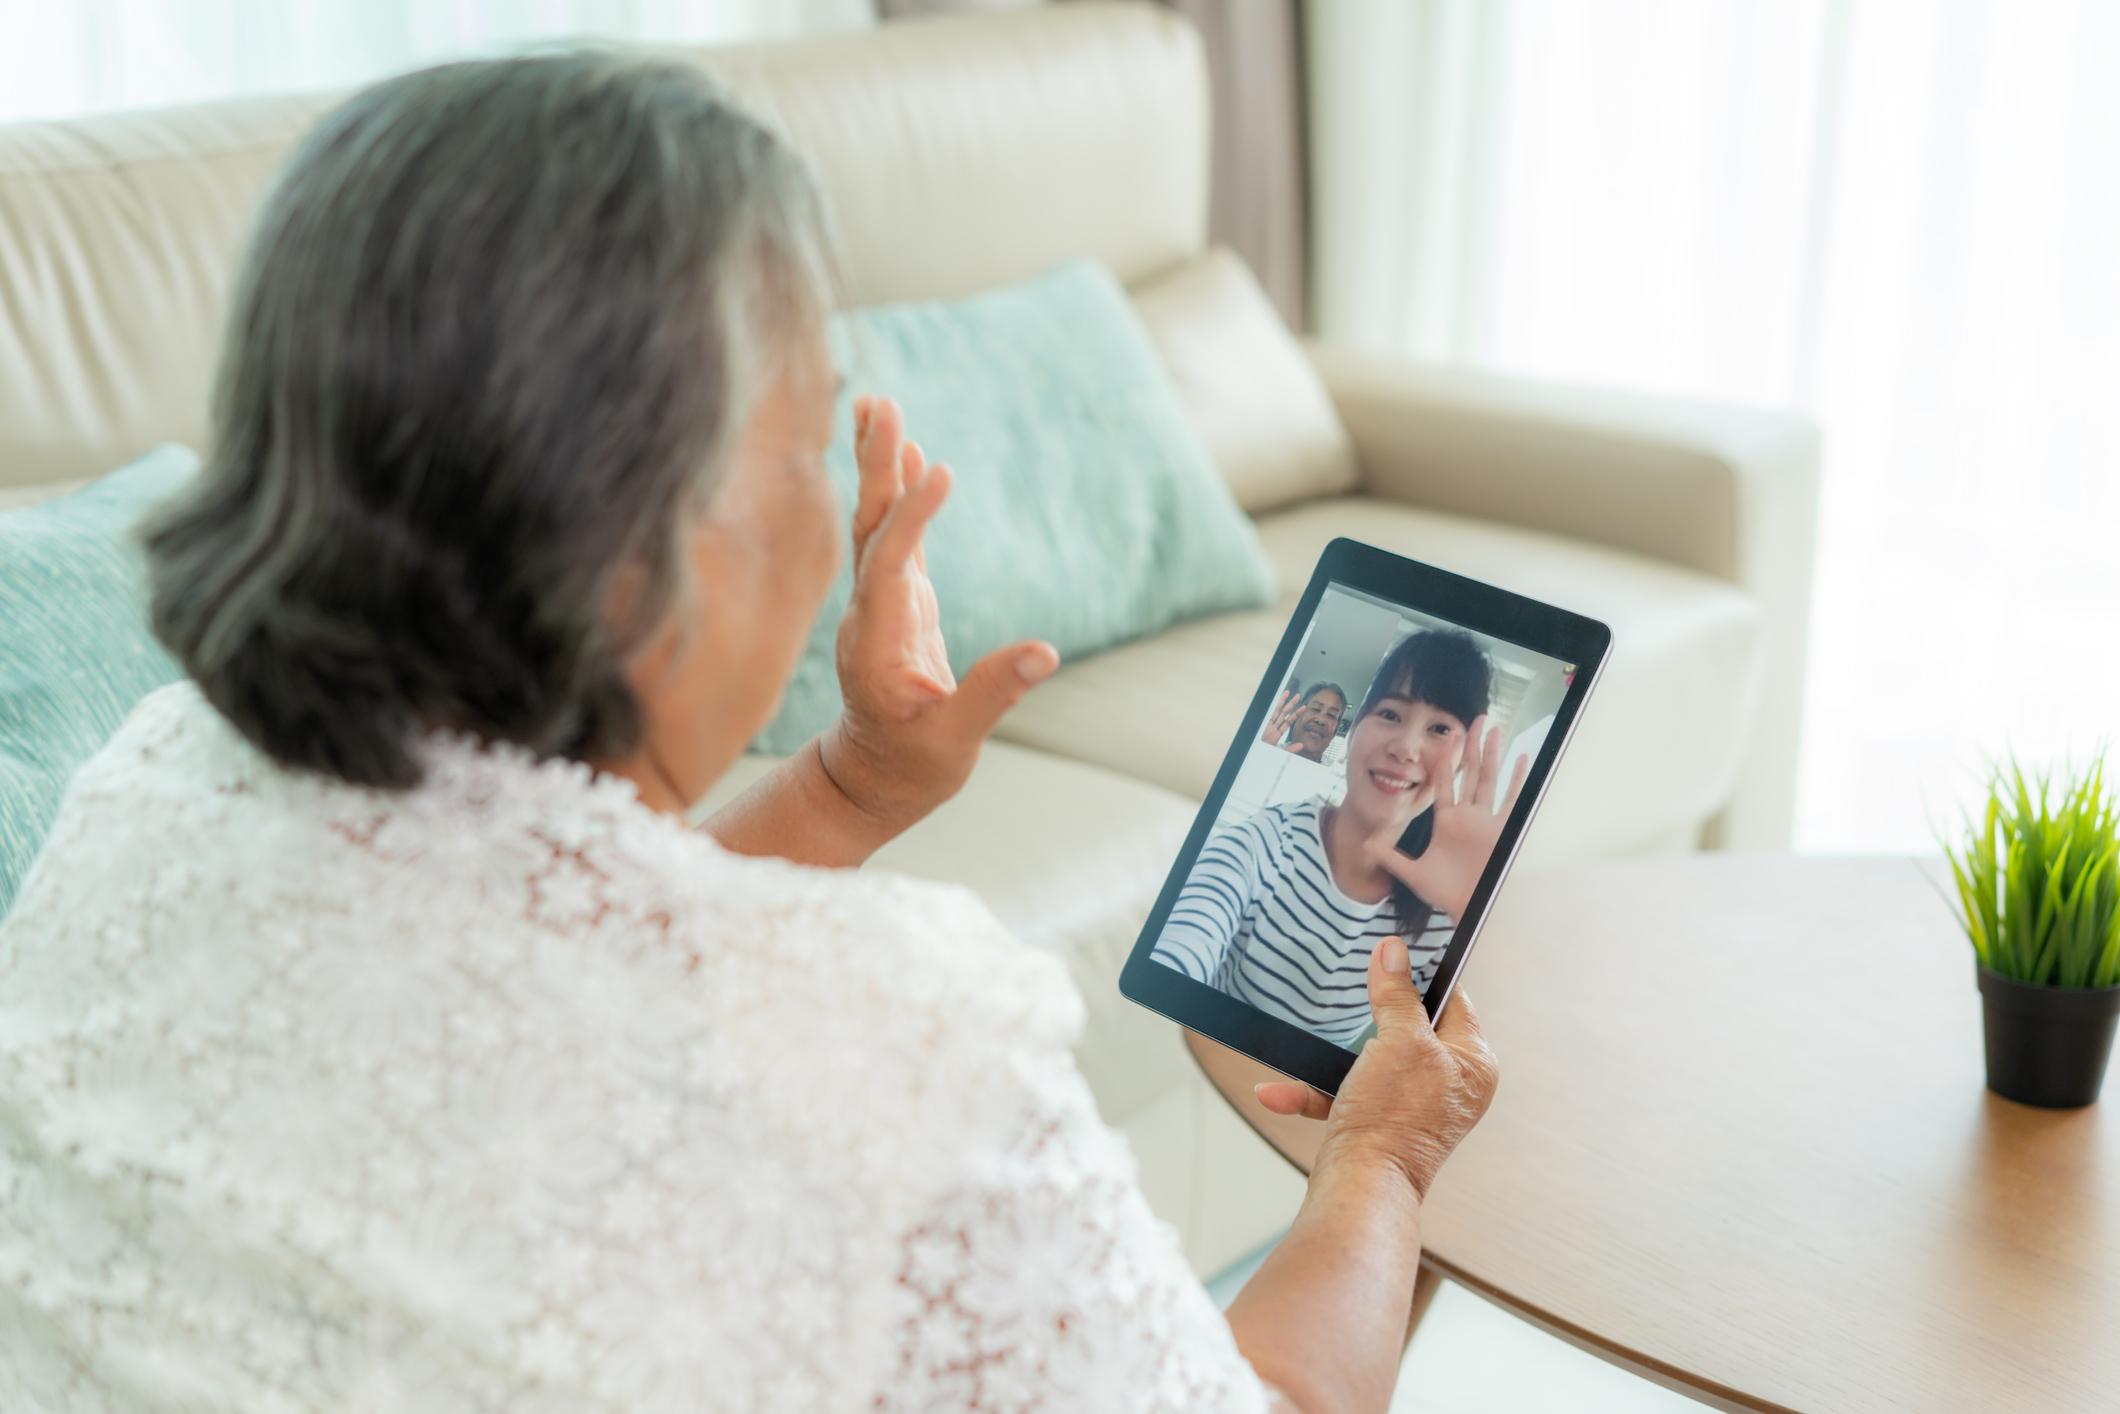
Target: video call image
column 1369, row 802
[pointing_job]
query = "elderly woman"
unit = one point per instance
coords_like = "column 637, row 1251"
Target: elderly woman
column 1283, row 909
column 375, row 1035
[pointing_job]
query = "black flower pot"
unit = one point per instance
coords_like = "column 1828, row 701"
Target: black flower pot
column 2047, row 1045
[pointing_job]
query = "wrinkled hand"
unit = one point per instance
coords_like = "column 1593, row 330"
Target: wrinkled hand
column 1466, row 829
column 1278, row 719
column 1415, row 1090
column 910, row 732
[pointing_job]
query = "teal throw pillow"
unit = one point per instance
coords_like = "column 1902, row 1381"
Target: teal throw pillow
column 76, row 652
column 1085, row 509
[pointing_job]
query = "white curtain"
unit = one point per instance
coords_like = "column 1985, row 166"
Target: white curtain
column 63, row 58
column 1903, row 218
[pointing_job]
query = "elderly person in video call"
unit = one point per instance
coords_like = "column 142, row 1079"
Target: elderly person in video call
column 375, row 1033
column 1306, row 725
column 1283, row 910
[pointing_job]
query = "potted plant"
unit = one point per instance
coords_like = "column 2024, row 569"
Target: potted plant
column 2039, row 886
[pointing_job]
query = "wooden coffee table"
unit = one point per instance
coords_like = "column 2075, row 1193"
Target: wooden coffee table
column 1742, row 1145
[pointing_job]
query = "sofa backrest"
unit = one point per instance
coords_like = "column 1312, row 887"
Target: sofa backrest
column 118, row 242
column 957, row 154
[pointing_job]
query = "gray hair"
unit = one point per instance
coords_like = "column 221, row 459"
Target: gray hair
column 497, row 330
column 1318, row 687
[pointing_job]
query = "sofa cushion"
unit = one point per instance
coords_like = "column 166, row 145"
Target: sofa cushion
column 1070, row 856
column 1657, row 749
column 1252, row 392
column 1162, row 710
column 965, row 151
column 119, row 236
column 76, row 653
column 1085, row 509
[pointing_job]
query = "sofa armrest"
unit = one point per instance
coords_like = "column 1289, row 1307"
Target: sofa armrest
column 1728, row 491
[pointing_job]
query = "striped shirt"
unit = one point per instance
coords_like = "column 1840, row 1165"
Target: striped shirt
column 1261, row 919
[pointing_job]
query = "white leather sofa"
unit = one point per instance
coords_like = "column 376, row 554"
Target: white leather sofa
column 966, row 153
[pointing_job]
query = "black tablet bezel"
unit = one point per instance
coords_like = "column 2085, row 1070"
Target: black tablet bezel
column 1482, row 608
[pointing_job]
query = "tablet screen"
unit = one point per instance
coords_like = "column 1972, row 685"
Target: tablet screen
column 1367, row 804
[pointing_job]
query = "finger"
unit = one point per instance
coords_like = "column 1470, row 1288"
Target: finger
column 1386, row 842
column 1516, row 783
column 1287, row 1097
column 1393, row 999
column 998, row 682
column 893, row 545
column 1277, row 719
column 1468, row 767
column 1423, row 798
column 1490, row 764
column 912, row 465
column 1405, row 808
column 877, row 432
column 876, row 442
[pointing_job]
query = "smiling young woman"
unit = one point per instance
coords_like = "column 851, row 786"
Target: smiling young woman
column 1283, row 909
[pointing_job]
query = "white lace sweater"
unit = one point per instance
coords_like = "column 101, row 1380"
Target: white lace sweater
column 509, row 1093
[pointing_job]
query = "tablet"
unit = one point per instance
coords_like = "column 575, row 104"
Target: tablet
column 1380, row 784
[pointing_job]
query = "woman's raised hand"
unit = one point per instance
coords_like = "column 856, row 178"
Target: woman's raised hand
column 910, row 732
column 1278, row 719
column 1467, row 826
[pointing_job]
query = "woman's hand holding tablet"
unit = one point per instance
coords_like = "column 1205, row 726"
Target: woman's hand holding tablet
column 1342, row 1279
column 1363, row 797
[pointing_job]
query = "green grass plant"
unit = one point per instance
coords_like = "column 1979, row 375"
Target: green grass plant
column 2038, row 878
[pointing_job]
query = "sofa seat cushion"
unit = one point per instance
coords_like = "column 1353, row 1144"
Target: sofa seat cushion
column 1656, row 753
column 1159, row 709
column 1070, row 856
